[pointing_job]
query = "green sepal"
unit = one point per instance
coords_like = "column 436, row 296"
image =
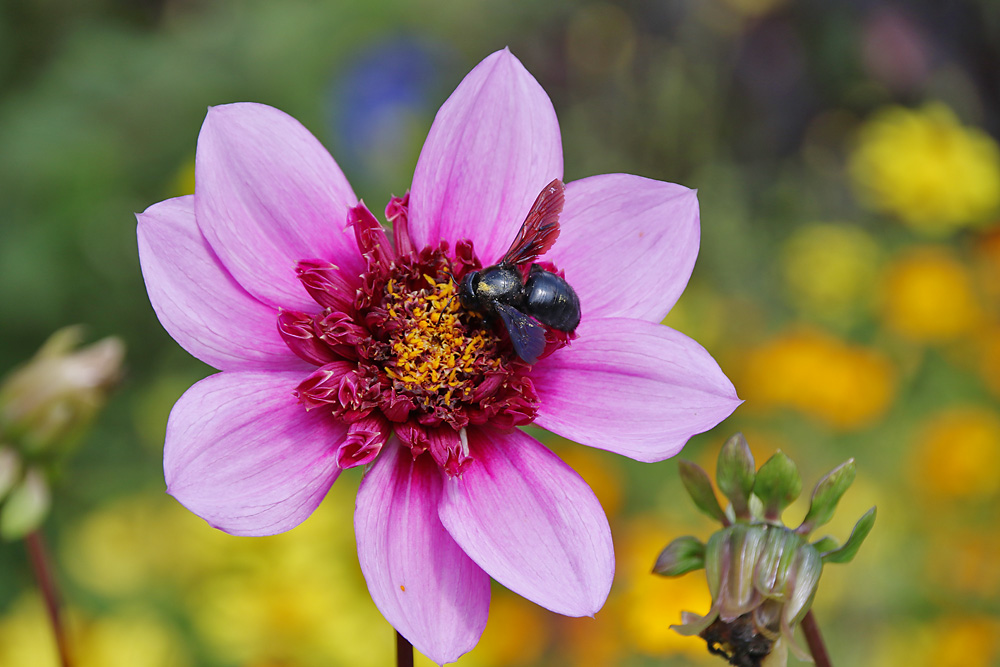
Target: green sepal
column 826, row 495
column 845, row 554
column 808, row 566
column 773, row 566
column 699, row 487
column 745, row 543
column 735, row 474
column 826, row 544
column 681, row 556
column 778, row 484
column 715, row 550
column 26, row 507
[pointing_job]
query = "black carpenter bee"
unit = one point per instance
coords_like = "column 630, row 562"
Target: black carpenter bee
column 524, row 305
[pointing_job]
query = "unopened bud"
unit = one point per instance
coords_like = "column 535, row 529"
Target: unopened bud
column 47, row 402
column 735, row 474
column 682, row 555
column 26, row 505
column 761, row 574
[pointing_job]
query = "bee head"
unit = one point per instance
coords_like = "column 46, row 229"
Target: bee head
column 467, row 290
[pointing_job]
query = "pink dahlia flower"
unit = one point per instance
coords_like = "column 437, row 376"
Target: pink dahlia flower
column 338, row 347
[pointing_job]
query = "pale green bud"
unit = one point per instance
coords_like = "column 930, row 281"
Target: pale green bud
column 777, row 485
column 682, row 555
column 46, row 403
column 735, row 474
column 761, row 574
column 26, row 505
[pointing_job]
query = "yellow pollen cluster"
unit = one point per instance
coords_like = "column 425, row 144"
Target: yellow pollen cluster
column 435, row 354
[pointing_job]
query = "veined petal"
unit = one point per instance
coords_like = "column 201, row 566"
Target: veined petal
column 492, row 148
column 632, row 387
column 199, row 304
column 267, row 194
column 244, row 455
column 628, row 244
column 531, row 522
column 418, row 577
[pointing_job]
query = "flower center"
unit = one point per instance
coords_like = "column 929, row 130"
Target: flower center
column 396, row 352
column 437, row 358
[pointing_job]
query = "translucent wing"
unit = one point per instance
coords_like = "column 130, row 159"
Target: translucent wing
column 540, row 229
column 527, row 335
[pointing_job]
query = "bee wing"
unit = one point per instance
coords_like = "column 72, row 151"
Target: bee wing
column 540, row 229
column 527, row 335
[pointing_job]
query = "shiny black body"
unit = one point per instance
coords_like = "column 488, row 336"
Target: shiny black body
column 544, row 295
column 550, row 300
column 527, row 306
column 500, row 283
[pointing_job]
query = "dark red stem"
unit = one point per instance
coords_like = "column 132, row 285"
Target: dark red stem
column 815, row 640
column 38, row 555
column 404, row 651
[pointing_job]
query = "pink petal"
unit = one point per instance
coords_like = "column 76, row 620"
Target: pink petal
column 267, row 194
column 244, row 455
column 198, row 302
column 492, row 148
column 632, row 387
column 628, row 244
column 420, row 580
column 531, row 522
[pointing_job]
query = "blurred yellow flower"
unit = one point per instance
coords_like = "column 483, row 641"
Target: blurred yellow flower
column 138, row 542
column 986, row 257
column 128, row 638
column 652, row 603
column 846, row 386
column 924, row 167
column 593, row 641
column 962, row 563
column 927, row 295
column 517, row 633
column 951, row 641
column 957, row 454
column 828, row 269
column 296, row 599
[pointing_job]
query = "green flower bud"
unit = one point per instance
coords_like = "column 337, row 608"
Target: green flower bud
column 26, row 506
column 761, row 574
column 763, row 578
column 777, row 485
column 680, row 556
column 48, row 402
column 735, row 474
column 826, row 495
column 699, row 487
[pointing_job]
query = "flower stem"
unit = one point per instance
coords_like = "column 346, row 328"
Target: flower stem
column 815, row 640
column 38, row 555
column 404, row 651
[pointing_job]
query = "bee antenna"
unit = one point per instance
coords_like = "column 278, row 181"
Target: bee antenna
column 455, row 283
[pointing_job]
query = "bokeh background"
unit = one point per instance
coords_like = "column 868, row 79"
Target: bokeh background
column 845, row 154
